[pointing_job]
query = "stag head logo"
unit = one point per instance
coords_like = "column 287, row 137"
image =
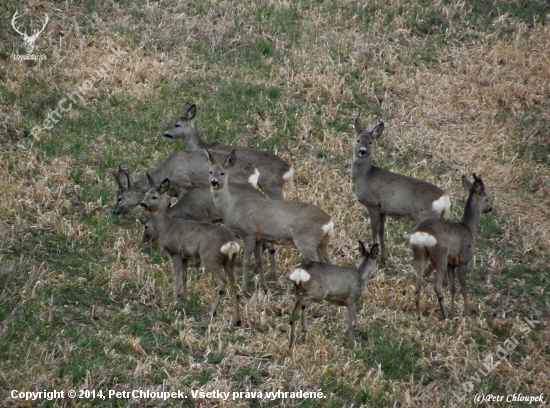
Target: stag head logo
column 30, row 40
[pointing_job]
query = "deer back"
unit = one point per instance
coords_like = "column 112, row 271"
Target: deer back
column 394, row 194
column 274, row 171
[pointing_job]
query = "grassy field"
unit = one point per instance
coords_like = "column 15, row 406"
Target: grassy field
column 462, row 86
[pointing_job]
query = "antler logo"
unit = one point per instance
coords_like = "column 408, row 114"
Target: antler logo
column 32, row 39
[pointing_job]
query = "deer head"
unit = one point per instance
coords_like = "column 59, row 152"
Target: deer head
column 29, row 40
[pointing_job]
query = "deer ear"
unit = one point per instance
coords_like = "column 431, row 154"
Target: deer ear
column 230, row 160
column 375, row 249
column 164, row 186
column 358, row 126
column 117, row 178
column 127, row 180
column 191, row 112
column 362, row 249
column 151, row 181
column 377, row 130
column 478, row 184
column 211, row 159
column 467, row 184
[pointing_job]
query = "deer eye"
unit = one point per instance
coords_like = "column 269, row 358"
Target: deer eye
column 358, row 141
column 176, row 125
column 119, row 199
column 210, row 172
column 222, row 174
column 154, row 198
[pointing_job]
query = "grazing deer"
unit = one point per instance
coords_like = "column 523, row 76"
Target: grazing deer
column 260, row 221
column 385, row 193
column 216, row 246
column 449, row 246
column 317, row 281
column 185, row 170
column 198, row 205
column 274, row 171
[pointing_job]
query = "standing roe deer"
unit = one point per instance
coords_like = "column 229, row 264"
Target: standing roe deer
column 216, row 246
column 315, row 282
column 185, row 170
column 274, row 171
column 198, row 205
column 386, row 193
column 449, row 246
column 260, row 221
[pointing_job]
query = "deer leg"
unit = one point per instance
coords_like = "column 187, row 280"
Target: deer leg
column 429, row 270
column 352, row 323
column 374, row 215
column 305, row 305
column 229, row 268
column 451, row 275
column 178, row 263
column 307, row 248
column 419, row 264
column 446, row 278
column 381, row 234
column 293, row 321
column 462, row 271
column 249, row 244
column 184, row 265
column 440, row 270
column 215, row 270
column 273, row 268
column 259, row 267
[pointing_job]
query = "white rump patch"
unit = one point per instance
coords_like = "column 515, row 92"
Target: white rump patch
column 299, row 275
column 442, row 205
column 421, row 238
column 253, row 179
column 288, row 174
column 328, row 227
column 230, row 248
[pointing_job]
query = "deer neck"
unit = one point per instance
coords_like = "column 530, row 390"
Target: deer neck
column 160, row 217
column 360, row 166
column 365, row 273
column 472, row 214
column 194, row 141
column 223, row 200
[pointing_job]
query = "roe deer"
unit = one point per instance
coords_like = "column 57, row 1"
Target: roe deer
column 342, row 286
column 198, row 205
column 449, row 246
column 216, row 246
column 260, row 221
column 274, row 171
column 386, row 193
column 185, row 170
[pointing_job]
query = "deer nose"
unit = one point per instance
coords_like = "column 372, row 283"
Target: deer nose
column 142, row 204
column 214, row 183
column 362, row 151
column 168, row 135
